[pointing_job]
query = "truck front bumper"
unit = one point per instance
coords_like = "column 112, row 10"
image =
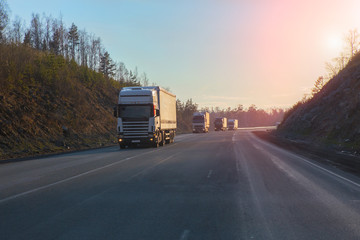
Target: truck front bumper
column 137, row 140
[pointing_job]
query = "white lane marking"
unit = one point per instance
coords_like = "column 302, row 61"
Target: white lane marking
column 336, row 206
column 233, row 138
column 185, row 235
column 332, row 173
column 70, row 178
column 210, row 172
column 306, row 161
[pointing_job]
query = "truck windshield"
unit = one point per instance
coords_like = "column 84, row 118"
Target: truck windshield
column 135, row 112
column 218, row 121
column 198, row 119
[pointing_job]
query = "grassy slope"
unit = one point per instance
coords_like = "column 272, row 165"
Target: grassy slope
column 42, row 94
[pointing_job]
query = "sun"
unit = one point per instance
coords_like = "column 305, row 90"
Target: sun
column 334, row 43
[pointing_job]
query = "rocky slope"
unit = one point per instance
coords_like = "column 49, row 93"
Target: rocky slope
column 332, row 116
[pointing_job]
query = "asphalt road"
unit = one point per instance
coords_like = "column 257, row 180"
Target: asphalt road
column 219, row 185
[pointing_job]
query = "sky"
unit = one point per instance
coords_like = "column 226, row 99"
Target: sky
column 219, row 53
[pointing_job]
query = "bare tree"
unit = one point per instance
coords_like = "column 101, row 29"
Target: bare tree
column 338, row 64
column 47, row 32
column 120, row 72
column 83, row 48
column 144, row 79
column 318, row 85
column 63, row 37
column 17, row 30
column 352, row 42
column 36, row 31
column 4, row 18
column 94, row 52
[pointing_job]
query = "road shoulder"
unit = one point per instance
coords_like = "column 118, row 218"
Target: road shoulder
column 342, row 160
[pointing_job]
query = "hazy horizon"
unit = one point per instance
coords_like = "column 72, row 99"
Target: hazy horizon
column 219, row 53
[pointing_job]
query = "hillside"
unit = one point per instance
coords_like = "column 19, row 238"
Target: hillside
column 50, row 104
column 332, row 116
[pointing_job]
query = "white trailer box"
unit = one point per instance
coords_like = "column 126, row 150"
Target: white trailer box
column 167, row 110
column 146, row 115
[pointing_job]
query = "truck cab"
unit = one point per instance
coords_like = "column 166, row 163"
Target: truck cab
column 201, row 122
column 232, row 124
column 220, row 124
column 145, row 115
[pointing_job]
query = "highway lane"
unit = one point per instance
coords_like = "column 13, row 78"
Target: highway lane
column 220, row 185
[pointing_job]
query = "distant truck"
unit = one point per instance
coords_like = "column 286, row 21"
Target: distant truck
column 201, row 122
column 145, row 115
column 232, row 124
column 220, row 124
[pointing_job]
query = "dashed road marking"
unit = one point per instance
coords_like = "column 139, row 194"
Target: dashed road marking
column 185, row 235
column 70, row 178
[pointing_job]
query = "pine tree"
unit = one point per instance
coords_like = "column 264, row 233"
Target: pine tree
column 73, row 36
column 107, row 67
column 55, row 42
column 27, row 38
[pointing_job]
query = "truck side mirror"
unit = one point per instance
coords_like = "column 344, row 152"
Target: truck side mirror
column 157, row 112
column 115, row 112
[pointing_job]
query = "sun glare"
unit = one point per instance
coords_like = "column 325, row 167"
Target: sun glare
column 334, row 43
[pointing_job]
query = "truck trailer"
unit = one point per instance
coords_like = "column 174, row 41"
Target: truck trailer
column 145, row 115
column 201, row 122
column 220, row 124
column 232, row 124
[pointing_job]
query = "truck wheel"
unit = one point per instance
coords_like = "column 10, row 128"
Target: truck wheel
column 162, row 141
column 156, row 142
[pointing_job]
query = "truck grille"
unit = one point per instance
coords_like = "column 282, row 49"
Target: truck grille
column 136, row 129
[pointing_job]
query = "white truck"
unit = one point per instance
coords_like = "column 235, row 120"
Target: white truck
column 145, row 115
column 201, row 122
column 232, row 124
column 220, row 124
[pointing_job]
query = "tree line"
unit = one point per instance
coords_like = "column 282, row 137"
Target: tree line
column 48, row 53
column 247, row 117
column 48, row 34
column 251, row 116
column 351, row 48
